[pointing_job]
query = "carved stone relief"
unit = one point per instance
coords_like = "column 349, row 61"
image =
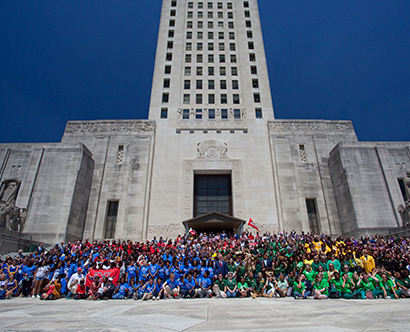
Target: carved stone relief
column 11, row 216
column 110, row 126
column 318, row 126
column 212, row 149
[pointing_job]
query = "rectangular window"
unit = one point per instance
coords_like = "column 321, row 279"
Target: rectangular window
column 224, row 98
column 232, row 35
column 210, row 25
column 188, row 58
column 211, row 113
column 200, row 5
column 256, row 97
column 189, row 35
column 168, row 57
column 170, row 44
column 249, row 34
column 233, row 58
column 236, row 113
column 173, row 12
column 210, row 35
column 211, row 99
column 185, row 114
column 232, row 47
column 302, row 153
column 199, row 35
column 222, row 71
column 230, row 25
column 190, row 4
column 173, row 3
column 199, row 71
column 198, row 114
column 255, row 83
column 252, row 57
column 199, row 84
column 199, row 58
column 312, row 216
column 211, row 71
column 246, row 4
column 187, row 84
column 229, row 5
column 403, row 189
column 200, row 14
column 187, row 71
column 165, row 97
column 250, row 45
column 247, row 13
column 230, row 15
column 199, row 46
column 223, row 84
column 221, row 46
column 198, row 99
column 186, row 98
column 120, row 154
column 111, row 220
column 210, row 46
column 248, row 24
column 235, row 85
column 210, row 5
column 235, row 98
column 188, row 47
column 220, row 15
column 164, row 113
column 222, row 58
column 190, row 14
column 210, row 58
column 170, row 33
column 167, row 70
column 171, row 23
column 211, row 84
column 219, row 5
column 224, row 113
column 220, row 35
column 253, row 70
column 258, row 113
column 234, row 71
column 166, row 82
column 200, row 24
column 220, row 25
column 210, row 14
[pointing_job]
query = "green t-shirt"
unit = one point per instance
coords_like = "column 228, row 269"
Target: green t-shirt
column 298, row 289
column 232, row 268
column 230, row 284
column 369, row 285
column 337, row 283
column 323, row 284
column 310, row 275
column 244, row 285
column 241, row 271
column 221, row 284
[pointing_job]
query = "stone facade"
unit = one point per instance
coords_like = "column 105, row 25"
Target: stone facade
column 210, row 114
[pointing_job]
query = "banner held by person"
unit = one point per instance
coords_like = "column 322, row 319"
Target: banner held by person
column 111, row 273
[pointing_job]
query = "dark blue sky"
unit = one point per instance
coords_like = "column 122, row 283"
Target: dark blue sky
column 84, row 60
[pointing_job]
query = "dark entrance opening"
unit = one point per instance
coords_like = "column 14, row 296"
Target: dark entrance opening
column 215, row 222
column 212, row 193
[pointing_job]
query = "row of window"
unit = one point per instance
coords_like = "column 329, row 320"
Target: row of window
column 210, row 14
column 211, row 98
column 211, row 84
column 200, row 46
column 211, row 58
column 200, row 35
column 210, row 5
column 200, row 24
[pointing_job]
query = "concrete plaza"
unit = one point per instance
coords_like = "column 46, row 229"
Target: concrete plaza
column 205, row 315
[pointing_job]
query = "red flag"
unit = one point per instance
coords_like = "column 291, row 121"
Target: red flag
column 252, row 224
column 111, row 273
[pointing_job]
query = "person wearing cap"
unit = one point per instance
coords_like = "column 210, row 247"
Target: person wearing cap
column 73, row 282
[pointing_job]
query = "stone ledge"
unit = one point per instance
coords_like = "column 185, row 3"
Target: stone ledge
column 104, row 126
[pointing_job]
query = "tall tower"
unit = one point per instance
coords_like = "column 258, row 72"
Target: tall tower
column 211, row 102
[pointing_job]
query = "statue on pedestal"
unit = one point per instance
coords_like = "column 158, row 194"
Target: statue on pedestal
column 404, row 210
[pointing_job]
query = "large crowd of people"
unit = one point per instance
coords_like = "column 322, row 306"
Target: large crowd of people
column 213, row 265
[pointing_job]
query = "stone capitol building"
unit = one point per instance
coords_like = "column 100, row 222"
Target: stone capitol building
column 210, row 156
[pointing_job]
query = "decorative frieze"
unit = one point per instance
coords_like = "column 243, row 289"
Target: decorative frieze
column 118, row 126
column 310, row 126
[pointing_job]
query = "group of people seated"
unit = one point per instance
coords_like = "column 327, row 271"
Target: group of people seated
column 216, row 265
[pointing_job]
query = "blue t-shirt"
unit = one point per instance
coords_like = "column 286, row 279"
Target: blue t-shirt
column 172, row 284
column 29, row 271
column 123, row 288
column 132, row 271
column 153, row 268
column 206, row 282
column 189, row 284
column 144, row 273
column 149, row 288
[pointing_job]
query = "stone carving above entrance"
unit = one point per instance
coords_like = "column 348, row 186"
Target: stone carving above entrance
column 102, row 126
column 11, row 217
column 212, row 149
